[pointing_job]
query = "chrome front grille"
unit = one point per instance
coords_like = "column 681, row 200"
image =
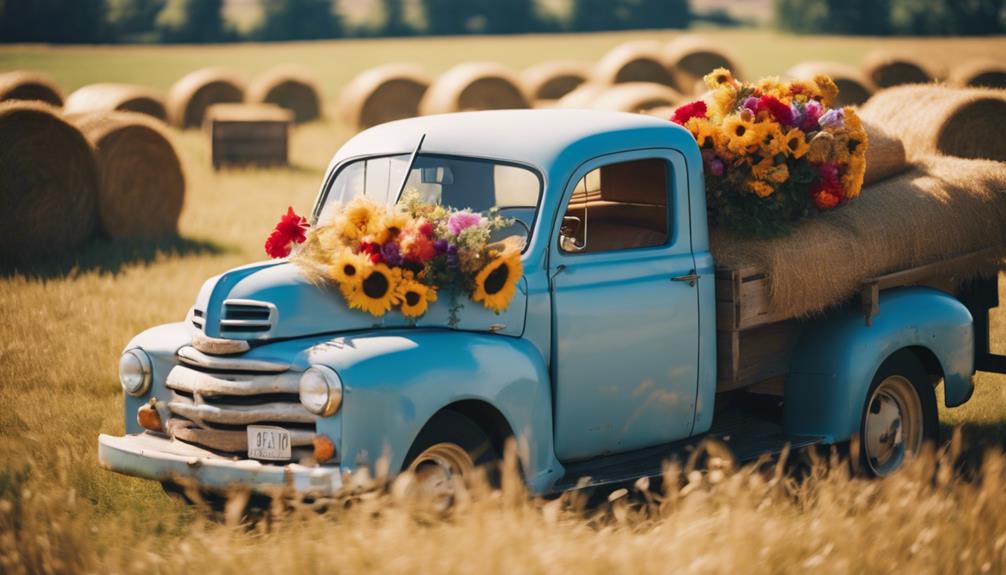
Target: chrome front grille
column 197, row 318
column 215, row 398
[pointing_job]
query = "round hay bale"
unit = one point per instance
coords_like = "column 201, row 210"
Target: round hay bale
column 383, row 94
column 22, row 85
column 116, row 97
column 979, row 73
column 638, row 61
column 885, row 154
column 636, row 97
column 48, row 183
column 289, row 88
column 190, row 96
column 691, row 57
column 141, row 186
column 885, row 69
column 933, row 119
column 582, row 98
column 854, row 87
column 553, row 80
column 474, row 86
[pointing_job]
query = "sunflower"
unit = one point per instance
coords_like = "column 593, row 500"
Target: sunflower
column 348, row 268
column 415, row 297
column 724, row 101
column 360, row 218
column 774, row 141
column 496, row 283
column 741, row 133
column 760, row 189
column 376, row 292
column 795, row 143
column 718, row 77
column 772, row 86
column 768, row 171
column 852, row 179
column 391, row 226
column 705, row 132
column 827, row 88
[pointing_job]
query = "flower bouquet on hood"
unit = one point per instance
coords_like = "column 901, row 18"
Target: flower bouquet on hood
column 774, row 151
column 400, row 257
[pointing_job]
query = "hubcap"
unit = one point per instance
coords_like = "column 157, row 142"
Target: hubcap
column 893, row 425
column 439, row 472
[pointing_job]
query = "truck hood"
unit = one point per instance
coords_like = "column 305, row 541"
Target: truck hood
column 274, row 300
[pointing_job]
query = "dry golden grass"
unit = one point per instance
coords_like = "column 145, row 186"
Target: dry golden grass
column 64, row 323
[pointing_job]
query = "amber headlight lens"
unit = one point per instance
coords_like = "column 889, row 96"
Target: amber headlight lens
column 321, row 390
column 134, row 372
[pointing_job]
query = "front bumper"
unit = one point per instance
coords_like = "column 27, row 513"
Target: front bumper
column 153, row 457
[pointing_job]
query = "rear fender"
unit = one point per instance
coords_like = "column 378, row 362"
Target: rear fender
column 396, row 381
column 839, row 355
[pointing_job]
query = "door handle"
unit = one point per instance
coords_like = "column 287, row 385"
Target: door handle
column 691, row 278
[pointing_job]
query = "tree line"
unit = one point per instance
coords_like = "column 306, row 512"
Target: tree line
column 202, row 21
column 892, row 17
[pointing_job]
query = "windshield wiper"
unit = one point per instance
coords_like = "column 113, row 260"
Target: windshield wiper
column 408, row 169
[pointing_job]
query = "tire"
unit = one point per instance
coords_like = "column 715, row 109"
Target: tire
column 899, row 415
column 446, row 451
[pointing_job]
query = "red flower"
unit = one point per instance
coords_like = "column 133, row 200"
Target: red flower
column 426, row 228
column 825, row 201
column 781, row 112
column 291, row 229
column 373, row 252
column 689, row 111
column 827, row 192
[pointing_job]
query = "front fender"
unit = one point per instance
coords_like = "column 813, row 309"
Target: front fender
column 838, row 357
column 395, row 381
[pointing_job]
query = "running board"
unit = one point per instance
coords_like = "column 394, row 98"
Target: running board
column 747, row 436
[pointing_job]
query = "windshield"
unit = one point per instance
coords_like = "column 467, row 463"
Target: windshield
column 481, row 185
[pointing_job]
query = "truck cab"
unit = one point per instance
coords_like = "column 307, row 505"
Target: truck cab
column 613, row 356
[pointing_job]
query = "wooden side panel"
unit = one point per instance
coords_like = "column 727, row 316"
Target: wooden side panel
column 753, row 355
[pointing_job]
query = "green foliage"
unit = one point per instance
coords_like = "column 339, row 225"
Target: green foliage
column 298, row 20
column 191, row 21
column 902, row 17
column 591, row 15
column 394, row 23
column 129, row 20
column 54, row 21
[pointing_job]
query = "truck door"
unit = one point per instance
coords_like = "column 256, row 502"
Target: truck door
column 625, row 307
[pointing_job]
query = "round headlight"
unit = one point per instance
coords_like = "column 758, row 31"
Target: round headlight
column 321, row 390
column 134, row 372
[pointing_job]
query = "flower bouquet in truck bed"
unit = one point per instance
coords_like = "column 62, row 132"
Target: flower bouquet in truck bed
column 774, row 151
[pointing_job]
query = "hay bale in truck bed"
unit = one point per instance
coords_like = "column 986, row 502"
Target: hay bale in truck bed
column 885, row 154
column 941, row 208
column 116, row 97
column 243, row 134
column 288, row 87
column 48, row 183
column 141, row 184
column 938, row 120
column 195, row 92
column 22, row 85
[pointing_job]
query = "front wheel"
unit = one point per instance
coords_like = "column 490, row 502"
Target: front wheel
column 899, row 415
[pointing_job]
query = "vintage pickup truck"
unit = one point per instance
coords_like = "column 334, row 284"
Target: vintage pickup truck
column 624, row 345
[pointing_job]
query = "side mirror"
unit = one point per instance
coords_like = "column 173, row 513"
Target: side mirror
column 571, row 229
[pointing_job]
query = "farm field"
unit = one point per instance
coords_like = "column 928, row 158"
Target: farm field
column 64, row 323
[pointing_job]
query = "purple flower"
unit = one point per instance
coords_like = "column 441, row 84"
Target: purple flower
column 440, row 246
column 713, row 163
column 834, row 119
column 392, row 255
column 452, row 250
column 462, row 220
column 751, row 103
column 811, row 112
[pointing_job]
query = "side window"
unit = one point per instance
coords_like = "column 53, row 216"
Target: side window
column 618, row 207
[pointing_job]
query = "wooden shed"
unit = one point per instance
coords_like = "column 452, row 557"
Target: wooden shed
column 249, row 134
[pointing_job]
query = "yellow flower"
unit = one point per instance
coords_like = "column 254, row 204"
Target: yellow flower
column 358, row 219
column 376, row 292
column 768, row 171
column 741, row 133
column 496, row 283
column 772, row 86
column 803, row 91
column 854, row 126
column 718, row 77
column 796, row 143
column 827, row 89
column 820, row 149
column 852, row 180
column 705, row 132
column 724, row 101
column 774, row 141
column 840, row 148
column 760, row 189
column 348, row 268
column 415, row 297
column 390, row 226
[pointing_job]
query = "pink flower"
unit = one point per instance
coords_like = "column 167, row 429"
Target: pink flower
column 461, row 221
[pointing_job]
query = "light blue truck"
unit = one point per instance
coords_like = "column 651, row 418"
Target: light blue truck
column 624, row 345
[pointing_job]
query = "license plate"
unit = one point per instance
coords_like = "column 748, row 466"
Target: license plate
column 266, row 442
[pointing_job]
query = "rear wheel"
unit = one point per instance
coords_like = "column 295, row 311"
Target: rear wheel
column 899, row 415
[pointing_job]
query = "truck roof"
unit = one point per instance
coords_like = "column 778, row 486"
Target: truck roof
column 535, row 137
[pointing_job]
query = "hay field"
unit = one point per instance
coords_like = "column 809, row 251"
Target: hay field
column 63, row 324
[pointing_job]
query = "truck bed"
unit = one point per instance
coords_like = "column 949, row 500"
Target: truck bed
column 755, row 343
